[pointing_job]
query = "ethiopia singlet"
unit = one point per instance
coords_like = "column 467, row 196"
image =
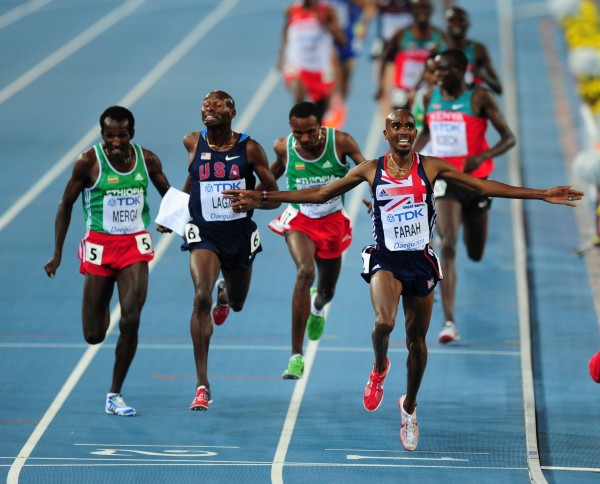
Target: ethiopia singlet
column 403, row 208
column 456, row 132
column 211, row 172
column 302, row 173
column 116, row 204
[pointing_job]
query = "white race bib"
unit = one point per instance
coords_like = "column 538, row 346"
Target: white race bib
column 216, row 208
column 448, row 138
column 123, row 214
column 406, row 228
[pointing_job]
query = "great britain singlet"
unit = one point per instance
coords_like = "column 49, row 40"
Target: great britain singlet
column 302, row 173
column 403, row 208
column 456, row 132
column 116, row 204
column 211, row 172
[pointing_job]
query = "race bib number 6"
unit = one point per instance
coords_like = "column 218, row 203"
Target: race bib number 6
column 254, row 241
column 192, row 233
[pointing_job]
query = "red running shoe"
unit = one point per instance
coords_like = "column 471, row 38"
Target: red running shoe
column 220, row 311
column 374, row 390
column 202, row 399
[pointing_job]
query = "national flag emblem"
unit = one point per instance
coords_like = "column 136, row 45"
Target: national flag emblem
column 205, row 156
column 299, row 166
column 113, row 179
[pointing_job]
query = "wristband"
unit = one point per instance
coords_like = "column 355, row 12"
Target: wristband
column 264, row 196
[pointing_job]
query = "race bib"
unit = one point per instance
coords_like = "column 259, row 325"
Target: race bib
column 406, row 228
column 123, row 214
column 192, row 233
column 448, row 138
column 318, row 210
column 439, row 188
column 254, row 242
column 216, row 208
column 144, row 243
column 93, row 253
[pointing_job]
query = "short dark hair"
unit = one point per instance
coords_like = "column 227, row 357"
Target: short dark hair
column 457, row 57
column 306, row 109
column 118, row 113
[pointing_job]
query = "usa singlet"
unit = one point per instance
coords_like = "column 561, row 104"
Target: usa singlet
column 403, row 208
column 116, row 204
column 211, row 172
column 456, row 132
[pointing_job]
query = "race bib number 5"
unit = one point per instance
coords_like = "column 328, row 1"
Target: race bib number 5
column 93, row 253
column 144, row 243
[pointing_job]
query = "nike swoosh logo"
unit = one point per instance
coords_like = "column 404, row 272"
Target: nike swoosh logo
column 229, row 158
column 457, row 106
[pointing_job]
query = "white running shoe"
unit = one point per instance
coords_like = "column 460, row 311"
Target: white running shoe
column 409, row 428
column 449, row 333
column 117, row 406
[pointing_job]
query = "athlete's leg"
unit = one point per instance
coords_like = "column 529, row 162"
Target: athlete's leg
column 302, row 249
column 132, row 284
column 449, row 217
column 204, row 269
column 328, row 273
column 95, row 310
column 417, row 312
column 385, row 296
column 237, row 285
column 475, row 228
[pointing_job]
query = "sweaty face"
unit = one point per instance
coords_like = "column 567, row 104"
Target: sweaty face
column 216, row 110
column 400, row 130
column 306, row 131
column 116, row 138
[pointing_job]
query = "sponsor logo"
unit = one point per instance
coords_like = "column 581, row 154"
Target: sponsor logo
column 458, row 106
column 229, row 158
column 139, row 177
column 327, row 164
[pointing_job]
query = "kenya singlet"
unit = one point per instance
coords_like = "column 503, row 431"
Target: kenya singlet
column 456, row 132
column 116, row 204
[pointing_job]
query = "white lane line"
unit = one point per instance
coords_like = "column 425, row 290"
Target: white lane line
column 181, row 49
column 67, row 50
column 21, row 11
column 506, row 28
column 256, row 347
column 312, row 347
column 184, row 46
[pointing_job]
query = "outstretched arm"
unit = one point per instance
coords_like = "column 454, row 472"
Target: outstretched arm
column 244, row 200
column 563, row 195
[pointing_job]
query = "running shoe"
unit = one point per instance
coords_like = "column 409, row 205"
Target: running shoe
column 202, row 400
column 315, row 324
column 117, row 406
column 409, row 428
column 220, row 311
column 373, row 395
column 295, row 368
column 449, row 333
